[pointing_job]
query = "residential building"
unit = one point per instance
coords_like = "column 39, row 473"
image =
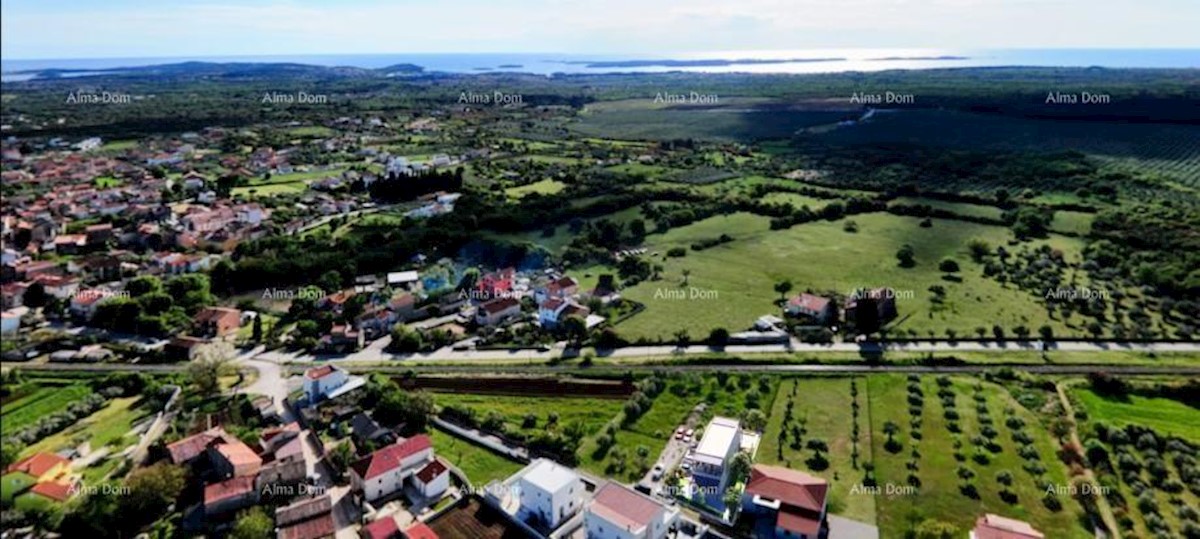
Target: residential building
column 497, row 310
column 230, row 495
column 187, row 450
column 310, row 518
column 549, row 493
column 991, row 526
column 786, row 503
column 433, row 480
column 618, row 512
column 710, row 461
column 816, row 308
column 217, row 322
column 327, row 382
column 234, row 459
column 10, row 322
column 384, row 472
column 383, row 528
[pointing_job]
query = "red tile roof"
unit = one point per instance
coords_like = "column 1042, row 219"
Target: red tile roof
column 809, row 302
column 229, row 488
column 38, row 464
column 991, row 526
column 390, row 457
column 384, row 528
column 314, row 528
column 790, row 487
column 498, row 305
column 316, row 373
column 238, row 454
column 55, row 491
column 431, row 471
column 623, row 507
column 420, row 531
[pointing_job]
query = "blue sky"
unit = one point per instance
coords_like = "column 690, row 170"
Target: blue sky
column 138, row 28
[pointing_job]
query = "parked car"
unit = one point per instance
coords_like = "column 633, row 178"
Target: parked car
column 658, row 472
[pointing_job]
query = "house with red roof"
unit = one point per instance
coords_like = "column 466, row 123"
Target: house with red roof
column 616, row 511
column 991, row 526
column 229, row 495
column 497, row 310
column 217, row 322
column 59, row 492
column 385, row 471
column 310, row 518
column 186, row 450
column 433, row 480
column 51, row 473
column 329, row 381
column 234, row 458
column 419, row 530
column 384, row 528
column 786, row 503
column 819, row 309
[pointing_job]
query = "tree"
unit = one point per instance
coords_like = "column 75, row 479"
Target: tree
column 718, row 336
column 256, row 331
column 948, row 265
column 10, row 449
column 252, row 523
column 686, row 274
column 754, row 420
column 935, row 529
column 151, row 490
column 782, row 288
column 906, row 256
column 212, row 361
column 410, row 408
column 890, row 428
column 35, row 295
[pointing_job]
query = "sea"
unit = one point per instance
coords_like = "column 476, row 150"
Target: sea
column 770, row 61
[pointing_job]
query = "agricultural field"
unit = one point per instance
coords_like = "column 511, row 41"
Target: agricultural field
column 959, row 208
column 1143, row 451
column 970, row 448
column 543, row 187
column 38, row 401
column 1166, row 416
column 592, row 413
column 481, row 465
column 733, row 282
column 642, row 119
column 111, row 425
column 823, row 409
column 1170, row 150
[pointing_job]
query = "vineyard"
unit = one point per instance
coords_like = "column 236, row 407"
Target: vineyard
column 1170, row 150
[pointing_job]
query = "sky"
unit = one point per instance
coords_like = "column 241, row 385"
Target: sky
column 44, row 29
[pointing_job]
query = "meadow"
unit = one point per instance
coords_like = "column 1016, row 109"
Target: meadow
column 40, row 402
column 480, row 465
column 1167, row 416
column 823, row 257
column 743, row 120
column 939, row 493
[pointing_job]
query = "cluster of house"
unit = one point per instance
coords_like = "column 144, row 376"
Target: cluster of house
column 50, row 475
column 498, row 298
column 236, row 475
column 824, row 311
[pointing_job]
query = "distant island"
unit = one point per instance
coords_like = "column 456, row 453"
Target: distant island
column 715, row 62
column 510, row 66
column 901, row 58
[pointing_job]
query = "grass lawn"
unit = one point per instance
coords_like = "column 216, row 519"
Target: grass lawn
column 311, row 131
column 824, row 405
column 960, row 208
column 13, row 484
column 42, row 402
column 1167, row 416
column 734, row 281
column 591, row 412
column 797, row 200
column 109, row 425
column 1072, row 222
column 938, row 495
column 480, row 465
column 544, row 187
column 270, row 189
column 32, row 502
column 107, row 182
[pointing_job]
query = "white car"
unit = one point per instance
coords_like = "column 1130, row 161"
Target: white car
column 657, row 472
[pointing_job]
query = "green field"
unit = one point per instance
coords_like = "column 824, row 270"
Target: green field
column 824, row 406
column 1163, row 415
column 1072, row 222
column 543, row 187
column 960, row 208
column 1171, row 150
column 938, row 495
column 592, row 413
column 43, row 401
column 109, row 425
column 481, row 465
column 13, row 484
column 823, row 257
column 642, row 119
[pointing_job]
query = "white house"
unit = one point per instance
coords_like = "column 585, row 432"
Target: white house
column 618, row 512
column 10, row 322
column 321, row 382
column 385, row 471
column 721, row 441
column 433, row 480
column 549, row 492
